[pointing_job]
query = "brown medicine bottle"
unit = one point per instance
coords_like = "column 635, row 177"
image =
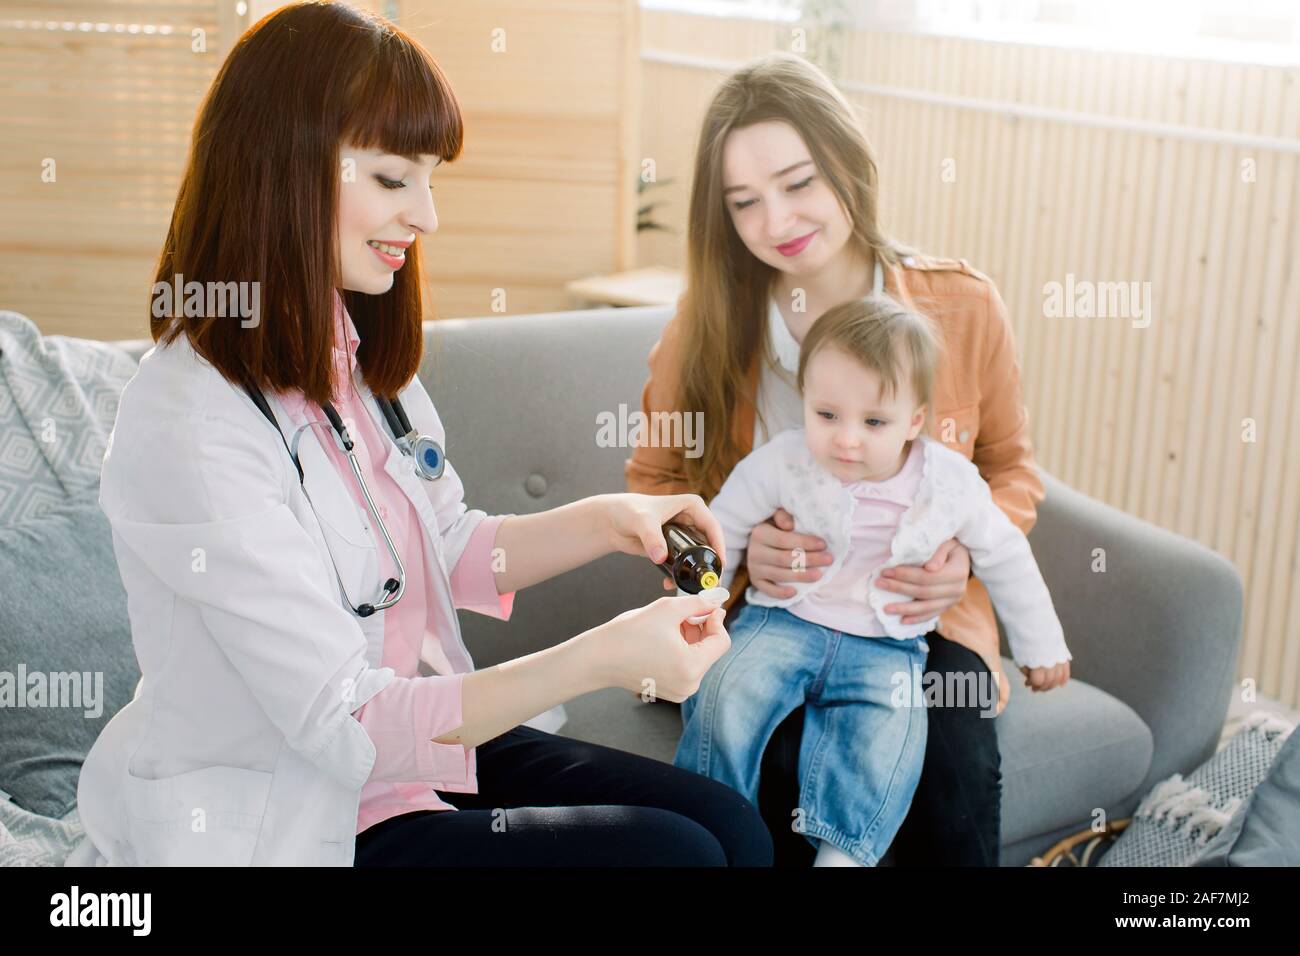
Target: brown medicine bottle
column 691, row 564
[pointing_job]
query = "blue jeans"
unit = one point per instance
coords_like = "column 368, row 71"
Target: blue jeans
column 860, row 756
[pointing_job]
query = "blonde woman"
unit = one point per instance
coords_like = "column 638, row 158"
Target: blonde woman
column 783, row 225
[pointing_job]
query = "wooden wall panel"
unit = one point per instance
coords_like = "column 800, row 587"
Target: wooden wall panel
column 544, row 192
column 112, row 104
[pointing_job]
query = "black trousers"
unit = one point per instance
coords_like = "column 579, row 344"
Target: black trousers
column 546, row 800
column 956, row 815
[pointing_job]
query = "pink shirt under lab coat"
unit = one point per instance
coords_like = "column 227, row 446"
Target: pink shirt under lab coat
column 394, row 717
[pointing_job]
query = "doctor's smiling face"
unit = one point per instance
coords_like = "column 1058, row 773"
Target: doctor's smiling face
column 384, row 204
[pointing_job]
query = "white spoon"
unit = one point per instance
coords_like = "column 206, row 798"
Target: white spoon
column 717, row 595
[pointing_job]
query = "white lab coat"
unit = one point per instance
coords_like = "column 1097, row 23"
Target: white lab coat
column 239, row 746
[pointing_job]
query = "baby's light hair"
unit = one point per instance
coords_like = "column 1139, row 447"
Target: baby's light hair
column 886, row 338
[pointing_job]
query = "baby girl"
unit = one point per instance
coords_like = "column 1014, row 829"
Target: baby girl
column 861, row 475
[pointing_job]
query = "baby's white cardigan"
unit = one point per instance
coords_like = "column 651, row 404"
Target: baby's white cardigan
column 952, row 501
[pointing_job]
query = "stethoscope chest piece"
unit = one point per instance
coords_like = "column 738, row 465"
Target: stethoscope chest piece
column 429, row 459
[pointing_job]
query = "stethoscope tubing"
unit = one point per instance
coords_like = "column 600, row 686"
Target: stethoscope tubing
column 395, row 415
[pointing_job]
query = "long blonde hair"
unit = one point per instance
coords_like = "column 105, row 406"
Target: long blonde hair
column 724, row 307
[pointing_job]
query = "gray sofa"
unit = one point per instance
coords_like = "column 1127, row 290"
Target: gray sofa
column 1154, row 636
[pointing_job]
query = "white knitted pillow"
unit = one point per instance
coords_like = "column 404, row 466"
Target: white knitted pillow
column 1178, row 817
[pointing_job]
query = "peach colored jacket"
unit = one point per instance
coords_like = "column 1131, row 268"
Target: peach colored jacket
column 977, row 407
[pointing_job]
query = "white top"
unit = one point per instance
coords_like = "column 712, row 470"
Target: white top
column 952, row 501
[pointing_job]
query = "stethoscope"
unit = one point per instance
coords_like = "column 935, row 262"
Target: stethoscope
column 427, row 458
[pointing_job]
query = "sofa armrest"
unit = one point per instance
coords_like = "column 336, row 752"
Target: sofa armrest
column 1159, row 628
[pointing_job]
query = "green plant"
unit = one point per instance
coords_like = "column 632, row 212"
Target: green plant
column 644, row 212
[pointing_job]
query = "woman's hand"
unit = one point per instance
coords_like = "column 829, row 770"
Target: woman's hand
column 654, row 652
column 1045, row 678
column 776, row 555
column 633, row 524
column 936, row 586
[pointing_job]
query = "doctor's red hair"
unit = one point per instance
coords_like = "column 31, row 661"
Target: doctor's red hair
column 258, row 200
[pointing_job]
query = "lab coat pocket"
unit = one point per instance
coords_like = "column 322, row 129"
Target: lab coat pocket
column 957, row 428
column 346, row 529
column 357, row 566
column 331, row 499
column 206, row 817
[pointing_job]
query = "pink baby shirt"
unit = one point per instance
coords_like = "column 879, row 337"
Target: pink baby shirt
column 878, row 507
column 403, row 717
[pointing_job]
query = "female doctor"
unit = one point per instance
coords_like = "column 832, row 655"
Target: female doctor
column 292, row 540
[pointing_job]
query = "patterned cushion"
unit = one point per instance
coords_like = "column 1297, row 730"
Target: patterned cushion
column 1176, row 821
column 1266, row 830
column 62, row 604
column 58, row 401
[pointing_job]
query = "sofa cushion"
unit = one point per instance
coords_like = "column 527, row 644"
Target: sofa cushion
column 58, row 400
column 62, row 613
column 1065, row 753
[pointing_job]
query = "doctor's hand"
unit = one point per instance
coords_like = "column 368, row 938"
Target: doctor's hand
column 937, row 586
column 777, row 556
column 655, row 652
column 633, row 524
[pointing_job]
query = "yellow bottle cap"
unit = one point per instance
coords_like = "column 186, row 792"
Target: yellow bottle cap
column 708, row 579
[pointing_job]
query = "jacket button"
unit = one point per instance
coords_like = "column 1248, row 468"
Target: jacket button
column 535, row 485
column 908, row 261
